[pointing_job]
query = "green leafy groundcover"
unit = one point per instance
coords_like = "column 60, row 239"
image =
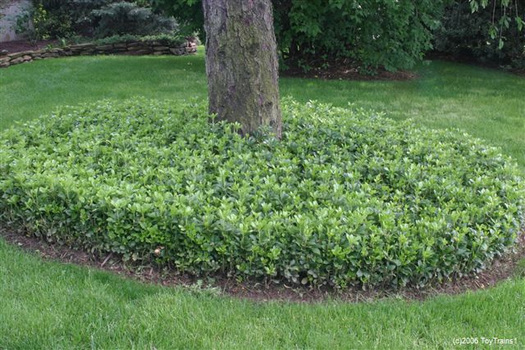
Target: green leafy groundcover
column 347, row 196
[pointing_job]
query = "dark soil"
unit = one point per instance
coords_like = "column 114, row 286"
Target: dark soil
column 501, row 269
column 340, row 72
column 343, row 69
column 22, row 45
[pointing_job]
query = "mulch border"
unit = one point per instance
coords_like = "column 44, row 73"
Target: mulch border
column 501, row 269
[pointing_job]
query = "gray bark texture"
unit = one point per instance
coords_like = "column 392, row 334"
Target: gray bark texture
column 241, row 63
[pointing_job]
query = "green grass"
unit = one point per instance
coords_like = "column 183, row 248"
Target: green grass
column 46, row 305
column 29, row 90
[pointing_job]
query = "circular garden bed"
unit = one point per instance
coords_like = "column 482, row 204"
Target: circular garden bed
column 346, row 197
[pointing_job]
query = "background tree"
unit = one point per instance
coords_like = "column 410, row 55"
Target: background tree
column 241, row 63
column 368, row 34
column 189, row 14
column 504, row 12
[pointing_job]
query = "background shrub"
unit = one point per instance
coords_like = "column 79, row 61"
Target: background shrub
column 121, row 18
column 346, row 196
column 371, row 34
column 488, row 36
column 368, row 34
column 102, row 18
column 163, row 39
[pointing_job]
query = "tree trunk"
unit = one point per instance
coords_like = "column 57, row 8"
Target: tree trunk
column 241, row 63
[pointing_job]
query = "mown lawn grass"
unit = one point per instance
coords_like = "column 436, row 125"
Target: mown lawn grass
column 48, row 305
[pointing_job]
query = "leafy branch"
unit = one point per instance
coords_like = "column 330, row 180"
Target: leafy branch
column 509, row 10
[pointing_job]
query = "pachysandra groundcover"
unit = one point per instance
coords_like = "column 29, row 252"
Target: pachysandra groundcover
column 347, row 196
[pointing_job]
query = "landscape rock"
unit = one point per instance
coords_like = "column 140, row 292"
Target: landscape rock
column 104, row 47
column 131, row 48
column 16, row 60
column 50, row 55
column 82, row 46
column 16, row 55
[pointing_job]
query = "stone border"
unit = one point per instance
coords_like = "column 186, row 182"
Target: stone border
column 89, row 49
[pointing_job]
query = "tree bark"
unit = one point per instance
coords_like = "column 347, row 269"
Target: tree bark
column 241, row 63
